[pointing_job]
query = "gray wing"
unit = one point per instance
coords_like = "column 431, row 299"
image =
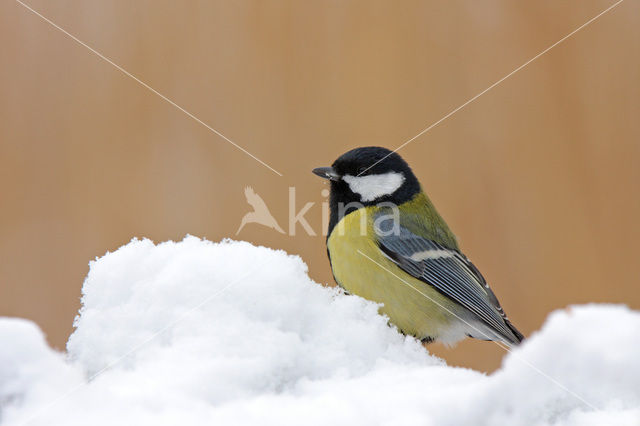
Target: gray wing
column 453, row 275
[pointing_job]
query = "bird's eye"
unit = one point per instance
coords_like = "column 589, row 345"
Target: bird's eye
column 361, row 170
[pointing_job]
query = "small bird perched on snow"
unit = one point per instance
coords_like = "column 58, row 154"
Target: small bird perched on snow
column 387, row 243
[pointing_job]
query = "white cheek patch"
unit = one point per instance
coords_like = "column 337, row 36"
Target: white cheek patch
column 371, row 187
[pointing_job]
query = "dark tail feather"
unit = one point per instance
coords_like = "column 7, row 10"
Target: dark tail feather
column 515, row 331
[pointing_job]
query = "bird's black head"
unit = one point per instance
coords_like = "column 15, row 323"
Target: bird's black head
column 368, row 176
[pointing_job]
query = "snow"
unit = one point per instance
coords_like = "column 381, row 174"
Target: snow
column 227, row 333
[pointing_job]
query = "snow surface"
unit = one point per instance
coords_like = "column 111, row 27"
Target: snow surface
column 195, row 332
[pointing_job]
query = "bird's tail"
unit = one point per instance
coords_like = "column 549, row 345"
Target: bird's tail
column 519, row 336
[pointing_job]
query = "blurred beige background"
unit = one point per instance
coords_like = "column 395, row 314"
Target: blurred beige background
column 539, row 178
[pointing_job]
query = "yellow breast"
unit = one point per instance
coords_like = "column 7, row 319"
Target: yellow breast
column 361, row 268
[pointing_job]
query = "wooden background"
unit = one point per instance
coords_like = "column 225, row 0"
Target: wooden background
column 539, row 178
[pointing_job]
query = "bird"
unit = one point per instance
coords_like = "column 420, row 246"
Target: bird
column 260, row 213
column 387, row 243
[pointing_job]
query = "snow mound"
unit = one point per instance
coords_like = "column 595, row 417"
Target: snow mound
column 196, row 332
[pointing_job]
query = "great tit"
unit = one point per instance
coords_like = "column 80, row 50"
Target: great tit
column 387, row 243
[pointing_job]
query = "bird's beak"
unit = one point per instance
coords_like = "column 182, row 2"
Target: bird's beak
column 326, row 173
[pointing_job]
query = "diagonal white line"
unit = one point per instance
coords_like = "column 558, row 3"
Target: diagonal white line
column 146, row 86
column 514, row 354
column 426, row 129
